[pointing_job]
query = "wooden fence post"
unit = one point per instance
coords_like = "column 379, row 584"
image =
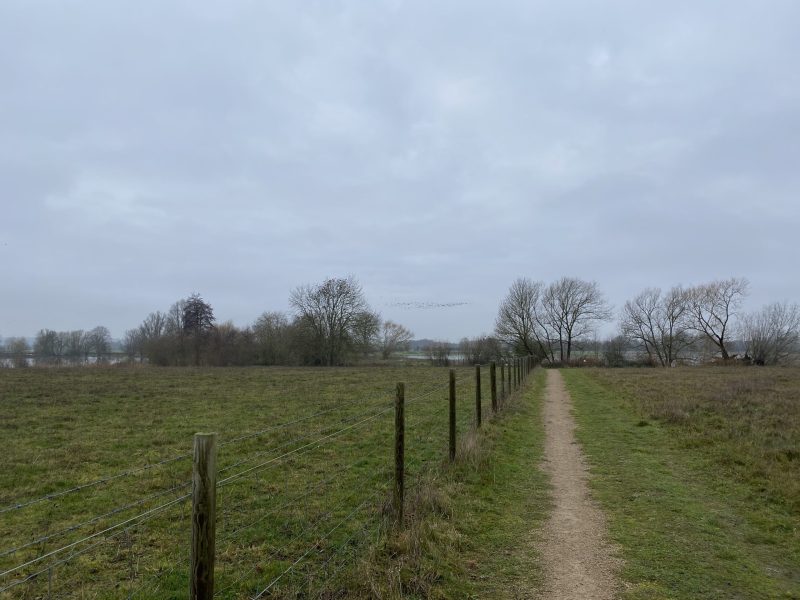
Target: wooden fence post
column 514, row 363
column 493, row 384
column 477, row 395
column 502, row 381
column 204, row 516
column 399, row 451
column 452, row 415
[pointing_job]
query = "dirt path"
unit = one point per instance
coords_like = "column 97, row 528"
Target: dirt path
column 578, row 561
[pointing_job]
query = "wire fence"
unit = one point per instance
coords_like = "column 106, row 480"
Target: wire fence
column 297, row 502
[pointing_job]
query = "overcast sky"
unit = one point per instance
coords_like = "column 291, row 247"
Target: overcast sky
column 434, row 150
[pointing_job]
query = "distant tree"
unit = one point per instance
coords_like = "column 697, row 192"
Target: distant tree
column 155, row 325
column 614, row 351
column 98, row 342
column 480, row 350
column 439, row 353
column 198, row 321
column 329, row 311
column 272, row 339
column 713, row 307
column 658, row 323
column 48, row 346
column 75, row 345
column 571, row 308
column 230, row 346
column 394, row 338
column 18, row 348
column 133, row 344
column 516, row 322
column 772, row 335
column 366, row 331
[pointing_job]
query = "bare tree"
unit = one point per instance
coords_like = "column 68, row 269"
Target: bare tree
column 155, row 325
column 75, row 345
column 658, row 323
column 480, row 350
column 772, row 335
column 572, row 307
column 366, row 332
column 439, row 353
column 520, row 323
column 713, row 307
column 330, row 311
column 271, row 333
column 18, row 348
column 48, row 346
column 98, row 342
column 133, row 344
column 394, row 337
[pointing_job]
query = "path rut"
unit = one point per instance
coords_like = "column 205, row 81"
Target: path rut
column 578, row 560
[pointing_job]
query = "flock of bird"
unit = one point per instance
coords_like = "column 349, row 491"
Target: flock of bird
column 425, row 304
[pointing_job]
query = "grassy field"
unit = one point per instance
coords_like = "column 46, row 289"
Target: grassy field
column 96, row 470
column 699, row 473
column 293, row 487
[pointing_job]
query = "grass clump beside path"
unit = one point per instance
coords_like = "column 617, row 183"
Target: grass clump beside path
column 691, row 469
column 471, row 528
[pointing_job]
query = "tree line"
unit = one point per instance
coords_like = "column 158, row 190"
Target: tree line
column 331, row 323
column 661, row 327
column 52, row 347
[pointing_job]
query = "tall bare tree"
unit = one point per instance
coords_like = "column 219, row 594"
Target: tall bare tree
column 658, row 323
column 572, row 308
column 520, row 323
column 330, row 310
column 713, row 307
column 772, row 335
column 394, row 337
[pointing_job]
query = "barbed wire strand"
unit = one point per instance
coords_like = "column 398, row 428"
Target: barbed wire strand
column 152, row 511
column 95, row 483
column 360, row 532
column 149, row 515
column 306, row 418
column 316, row 443
column 51, row 496
column 306, row 529
column 311, row 549
column 311, row 434
column 309, row 490
column 110, row 513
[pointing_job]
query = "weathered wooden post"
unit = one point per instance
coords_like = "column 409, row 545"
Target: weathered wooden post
column 204, row 516
column 477, row 395
column 493, row 384
column 399, row 451
column 452, row 415
column 502, row 381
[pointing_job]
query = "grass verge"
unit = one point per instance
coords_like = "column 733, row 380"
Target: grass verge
column 688, row 528
column 471, row 526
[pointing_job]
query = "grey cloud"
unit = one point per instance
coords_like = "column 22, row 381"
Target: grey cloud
column 435, row 151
